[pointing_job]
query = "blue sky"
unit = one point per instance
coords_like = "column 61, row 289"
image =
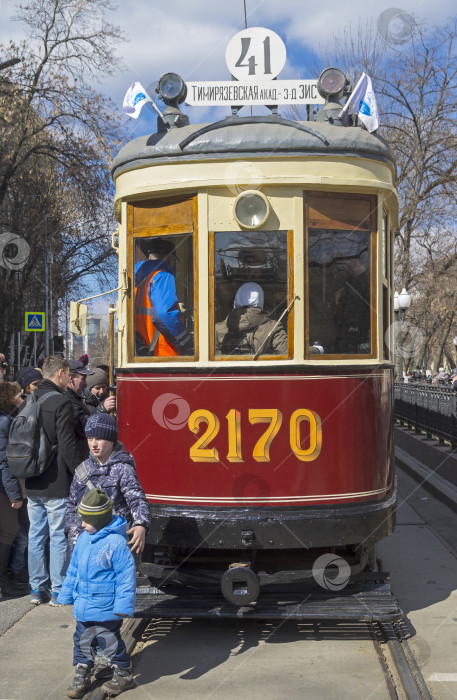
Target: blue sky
column 189, row 38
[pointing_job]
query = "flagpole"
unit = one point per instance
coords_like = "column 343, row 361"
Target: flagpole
column 348, row 101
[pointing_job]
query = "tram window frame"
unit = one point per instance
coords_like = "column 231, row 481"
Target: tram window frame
column 386, row 243
column 212, row 304
column 336, row 211
column 165, row 222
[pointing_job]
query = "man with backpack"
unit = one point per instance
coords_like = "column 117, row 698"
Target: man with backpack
column 48, row 493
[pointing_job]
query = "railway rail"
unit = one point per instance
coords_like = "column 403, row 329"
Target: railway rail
column 401, row 672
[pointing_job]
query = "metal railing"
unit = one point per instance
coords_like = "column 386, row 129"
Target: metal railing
column 430, row 409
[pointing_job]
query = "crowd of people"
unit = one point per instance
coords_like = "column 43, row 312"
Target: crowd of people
column 440, row 378
column 87, row 504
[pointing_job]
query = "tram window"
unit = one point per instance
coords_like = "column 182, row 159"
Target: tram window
column 339, row 291
column 164, row 296
column 250, row 293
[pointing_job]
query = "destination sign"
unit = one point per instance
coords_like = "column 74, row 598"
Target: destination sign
column 248, row 92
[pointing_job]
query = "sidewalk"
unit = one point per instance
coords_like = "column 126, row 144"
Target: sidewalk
column 36, row 655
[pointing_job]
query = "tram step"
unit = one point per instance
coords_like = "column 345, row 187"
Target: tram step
column 369, row 602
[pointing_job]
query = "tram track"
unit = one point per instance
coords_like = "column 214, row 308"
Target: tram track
column 401, row 671
column 406, row 669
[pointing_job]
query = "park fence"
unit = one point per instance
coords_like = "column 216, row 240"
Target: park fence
column 429, row 409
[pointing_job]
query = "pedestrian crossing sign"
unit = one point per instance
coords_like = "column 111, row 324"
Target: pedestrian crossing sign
column 35, row 321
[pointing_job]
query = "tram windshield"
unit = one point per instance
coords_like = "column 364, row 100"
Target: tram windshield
column 164, row 296
column 250, row 293
column 339, row 291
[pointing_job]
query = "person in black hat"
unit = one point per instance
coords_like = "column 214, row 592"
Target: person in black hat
column 159, row 328
column 29, row 378
column 113, row 470
column 96, row 393
column 75, row 391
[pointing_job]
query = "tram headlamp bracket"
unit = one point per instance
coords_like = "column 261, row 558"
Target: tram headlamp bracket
column 251, row 209
column 331, row 84
column 172, row 90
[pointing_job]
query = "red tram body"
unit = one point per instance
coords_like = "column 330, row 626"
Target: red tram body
column 266, row 461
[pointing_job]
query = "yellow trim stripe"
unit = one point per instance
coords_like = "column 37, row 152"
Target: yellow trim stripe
column 267, row 499
column 279, row 378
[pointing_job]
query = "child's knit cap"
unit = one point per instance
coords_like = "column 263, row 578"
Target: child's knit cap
column 96, row 509
column 102, row 426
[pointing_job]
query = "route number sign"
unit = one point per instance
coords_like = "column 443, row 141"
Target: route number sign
column 254, row 57
column 256, row 53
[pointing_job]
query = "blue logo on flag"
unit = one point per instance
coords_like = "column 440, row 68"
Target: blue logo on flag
column 139, row 98
column 364, row 108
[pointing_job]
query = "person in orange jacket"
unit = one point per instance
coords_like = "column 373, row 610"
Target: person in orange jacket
column 159, row 328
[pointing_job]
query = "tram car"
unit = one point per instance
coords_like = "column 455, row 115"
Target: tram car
column 255, row 368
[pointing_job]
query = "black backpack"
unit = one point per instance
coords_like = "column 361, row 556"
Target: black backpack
column 29, row 451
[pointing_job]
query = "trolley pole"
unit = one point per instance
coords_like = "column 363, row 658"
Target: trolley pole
column 112, row 311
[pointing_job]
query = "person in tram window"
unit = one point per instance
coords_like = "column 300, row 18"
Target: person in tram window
column 159, row 328
column 352, row 309
column 248, row 326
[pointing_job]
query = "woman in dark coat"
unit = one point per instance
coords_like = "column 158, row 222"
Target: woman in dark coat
column 11, row 498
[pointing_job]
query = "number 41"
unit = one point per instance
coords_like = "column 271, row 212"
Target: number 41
column 245, row 44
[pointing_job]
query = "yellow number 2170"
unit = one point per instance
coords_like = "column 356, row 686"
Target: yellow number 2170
column 201, row 452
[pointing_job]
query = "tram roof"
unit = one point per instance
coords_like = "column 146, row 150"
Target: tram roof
column 251, row 137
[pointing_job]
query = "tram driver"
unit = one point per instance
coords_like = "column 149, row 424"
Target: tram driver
column 159, row 328
column 247, row 326
column 352, row 308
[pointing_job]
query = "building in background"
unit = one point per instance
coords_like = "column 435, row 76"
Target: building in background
column 95, row 343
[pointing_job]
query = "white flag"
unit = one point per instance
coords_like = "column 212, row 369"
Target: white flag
column 135, row 99
column 363, row 103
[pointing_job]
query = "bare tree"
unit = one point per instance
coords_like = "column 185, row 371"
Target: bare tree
column 416, row 88
column 57, row 139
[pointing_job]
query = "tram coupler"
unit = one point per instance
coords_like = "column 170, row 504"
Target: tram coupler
column 240, row 585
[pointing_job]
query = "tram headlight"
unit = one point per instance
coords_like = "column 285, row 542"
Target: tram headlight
column 171, row 89
column 331, row 84
column 251, row 209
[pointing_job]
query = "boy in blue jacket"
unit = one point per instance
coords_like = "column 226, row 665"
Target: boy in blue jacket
column 100, row 583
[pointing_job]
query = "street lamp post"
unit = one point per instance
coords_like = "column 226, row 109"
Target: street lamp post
column 402, row 302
